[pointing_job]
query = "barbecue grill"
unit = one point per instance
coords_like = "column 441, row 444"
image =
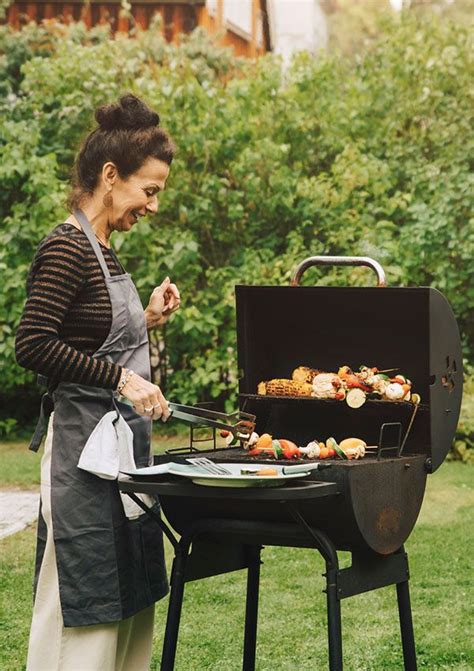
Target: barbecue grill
column 368, row 507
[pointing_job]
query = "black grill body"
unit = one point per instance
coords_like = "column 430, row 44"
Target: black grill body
column 280, row 328
column 375, row 505
column 368, row 507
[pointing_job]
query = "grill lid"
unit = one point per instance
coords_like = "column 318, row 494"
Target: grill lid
column 280, row 328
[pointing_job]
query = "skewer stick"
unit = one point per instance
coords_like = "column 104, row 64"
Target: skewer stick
column 389, row 370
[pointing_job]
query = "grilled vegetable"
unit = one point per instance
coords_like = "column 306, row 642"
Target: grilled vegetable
column 290, row 450
column 283, row 387
column 351, row 442
column 252, row 440
column 354, row 448
column 262, row 452
column 307, row 381
column 265, row 440
column 277, row 449
column 231, row 440
column 332, row 444
column 351, row 380
column 304, row 374
column 261, row 472
column 311, row 450
column 345, row 370
column 326, row 385
column 355, row 398
column 395, row 391
column 267, row 448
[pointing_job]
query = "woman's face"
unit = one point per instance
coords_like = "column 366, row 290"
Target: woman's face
column 136, row 196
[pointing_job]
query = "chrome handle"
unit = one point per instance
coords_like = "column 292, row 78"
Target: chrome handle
column 338, row 261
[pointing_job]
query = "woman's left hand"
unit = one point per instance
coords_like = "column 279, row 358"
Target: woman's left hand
column 163, row 302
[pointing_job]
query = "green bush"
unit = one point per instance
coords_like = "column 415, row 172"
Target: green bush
column 463, row 447
column 368, row 156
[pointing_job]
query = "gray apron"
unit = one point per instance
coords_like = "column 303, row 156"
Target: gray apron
column 109, row 567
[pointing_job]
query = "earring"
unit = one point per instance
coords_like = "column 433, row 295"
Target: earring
column 108, row 199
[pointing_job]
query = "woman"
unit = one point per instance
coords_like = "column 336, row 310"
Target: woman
column 98, row 573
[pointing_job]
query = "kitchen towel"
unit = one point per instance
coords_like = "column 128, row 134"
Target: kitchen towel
column 108, row 451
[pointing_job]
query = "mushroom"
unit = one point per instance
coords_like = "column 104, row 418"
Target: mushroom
column 312, row 450
column 394, row 391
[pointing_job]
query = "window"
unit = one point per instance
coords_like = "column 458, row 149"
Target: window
column 238, row 13
column 211, row 7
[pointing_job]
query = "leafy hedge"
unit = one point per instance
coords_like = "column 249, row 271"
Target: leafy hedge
column 367, row 156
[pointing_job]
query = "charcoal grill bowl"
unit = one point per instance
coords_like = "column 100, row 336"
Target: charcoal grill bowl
column 376, row 505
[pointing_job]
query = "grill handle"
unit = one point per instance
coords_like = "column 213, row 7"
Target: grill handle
column 338, row 261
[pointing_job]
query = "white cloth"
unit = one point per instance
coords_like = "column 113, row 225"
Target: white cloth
column 108, row 451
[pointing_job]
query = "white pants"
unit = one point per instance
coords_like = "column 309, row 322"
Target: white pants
column 119, row 646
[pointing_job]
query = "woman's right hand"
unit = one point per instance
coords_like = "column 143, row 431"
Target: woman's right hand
column 146, row 397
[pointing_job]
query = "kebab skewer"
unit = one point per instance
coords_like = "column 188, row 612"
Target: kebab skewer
column 346, row 384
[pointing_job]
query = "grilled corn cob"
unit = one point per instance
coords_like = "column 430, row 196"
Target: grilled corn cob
column 282, row 387
column 304, row 374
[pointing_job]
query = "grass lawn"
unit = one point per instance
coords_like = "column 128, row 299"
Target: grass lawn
column 19, row 467
column 292, row 616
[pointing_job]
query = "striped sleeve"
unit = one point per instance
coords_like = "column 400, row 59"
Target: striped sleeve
column 58, row 275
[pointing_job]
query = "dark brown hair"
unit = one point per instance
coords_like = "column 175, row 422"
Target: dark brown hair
column 127, row 135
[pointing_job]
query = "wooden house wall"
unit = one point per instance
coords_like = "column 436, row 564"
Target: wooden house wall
column 178, row 17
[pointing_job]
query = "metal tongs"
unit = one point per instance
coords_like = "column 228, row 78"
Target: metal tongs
column 240, row 424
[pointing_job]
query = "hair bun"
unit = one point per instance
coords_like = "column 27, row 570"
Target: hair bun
column 130, row 113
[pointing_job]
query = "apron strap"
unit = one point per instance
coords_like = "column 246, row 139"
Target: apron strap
column 87, row 228
column 46, row 408
column 116, row 408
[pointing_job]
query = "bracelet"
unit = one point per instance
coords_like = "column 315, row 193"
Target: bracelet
column 126, row 375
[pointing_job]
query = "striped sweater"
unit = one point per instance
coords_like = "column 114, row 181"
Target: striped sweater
column 68, row 314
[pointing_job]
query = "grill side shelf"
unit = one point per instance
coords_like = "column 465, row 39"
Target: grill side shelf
column 175, row 487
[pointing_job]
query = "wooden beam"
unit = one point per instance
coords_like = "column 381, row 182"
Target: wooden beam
column 68, row 12
column 189, row 3
column 140, row 16
column 14, row 16
column 177, row 20
column 49, row 10
column 32, row 11
column 267, row 42
column 255, row 18
column 219, row 14
column 86, row 15
column 123, row 23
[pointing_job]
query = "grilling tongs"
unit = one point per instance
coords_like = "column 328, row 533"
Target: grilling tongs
column 240, row 424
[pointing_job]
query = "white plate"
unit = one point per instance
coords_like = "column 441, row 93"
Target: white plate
column 234, row 479
column 163, row 469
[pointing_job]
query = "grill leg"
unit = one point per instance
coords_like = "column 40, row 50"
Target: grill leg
column 327, row 549
column 406, row 626
column 334, row 618
column 174, row 612
column 251, row 610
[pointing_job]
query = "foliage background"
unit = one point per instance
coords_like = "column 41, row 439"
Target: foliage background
column 369, row 154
